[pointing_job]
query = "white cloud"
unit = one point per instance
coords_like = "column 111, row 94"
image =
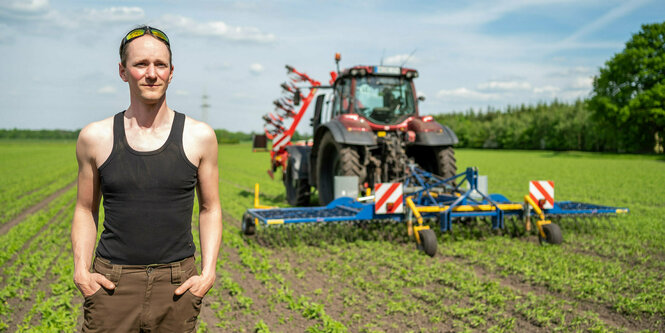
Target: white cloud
column 217, row 29
column 25, row 7
column 582, row 82
column 505, row 85
column 182, row 92
column 115, row 14
column 399, row 59
column 256, row 69
column 579, row 70
column 464, row 93
column 546, row 90
column 107, row 90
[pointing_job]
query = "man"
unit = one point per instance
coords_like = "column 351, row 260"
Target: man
column 146, row 163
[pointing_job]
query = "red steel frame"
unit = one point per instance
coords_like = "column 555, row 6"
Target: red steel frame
column 282, row 139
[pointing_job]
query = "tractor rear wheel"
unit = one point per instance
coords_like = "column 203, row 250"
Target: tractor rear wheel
column 446, row 164
column 335, row 159
column 552, row 234
column 428, row 241
column 248, row 226
column 297, row 190
column 439, row 160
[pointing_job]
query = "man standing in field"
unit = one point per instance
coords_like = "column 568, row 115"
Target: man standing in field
column 146, row 163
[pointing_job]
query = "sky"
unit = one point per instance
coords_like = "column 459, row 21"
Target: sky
column 59, row 59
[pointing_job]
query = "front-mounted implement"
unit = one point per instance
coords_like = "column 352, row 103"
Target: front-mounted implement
column 423, row 195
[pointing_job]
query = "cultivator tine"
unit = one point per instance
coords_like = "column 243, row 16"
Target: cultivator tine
column 276, row 118
column 289, row 87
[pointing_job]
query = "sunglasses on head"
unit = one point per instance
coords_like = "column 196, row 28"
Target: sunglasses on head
column 138, row 32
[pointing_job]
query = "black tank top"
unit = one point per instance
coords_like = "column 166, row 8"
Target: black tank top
column 148, row 200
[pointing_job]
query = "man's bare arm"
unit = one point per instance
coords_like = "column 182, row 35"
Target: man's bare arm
column 86, row 214
column 210, row 214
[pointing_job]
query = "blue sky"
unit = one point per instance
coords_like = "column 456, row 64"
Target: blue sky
column 58, row 65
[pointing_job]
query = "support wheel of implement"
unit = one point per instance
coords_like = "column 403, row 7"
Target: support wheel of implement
column 297, row 189
column 335, row 159
column 248, row 226
column 552, row 234
column 428, row 241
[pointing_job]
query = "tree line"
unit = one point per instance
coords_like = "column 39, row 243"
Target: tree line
column 223, row 136
column 552, row 126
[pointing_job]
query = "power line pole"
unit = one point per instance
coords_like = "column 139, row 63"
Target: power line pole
column 204, row 108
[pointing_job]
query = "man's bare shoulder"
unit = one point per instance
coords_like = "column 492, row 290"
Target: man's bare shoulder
column 98, row 131
column 199, row 131
column 96, row 141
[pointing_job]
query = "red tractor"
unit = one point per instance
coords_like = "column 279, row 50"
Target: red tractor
column 366, row 125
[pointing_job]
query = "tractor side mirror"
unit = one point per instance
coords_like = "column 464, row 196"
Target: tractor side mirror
column 421, row 98
column 296, row 97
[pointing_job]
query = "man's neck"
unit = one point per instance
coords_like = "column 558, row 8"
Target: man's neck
column 149, row 115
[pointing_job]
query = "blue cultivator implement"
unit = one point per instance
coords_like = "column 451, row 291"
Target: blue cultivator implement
column 423, row 195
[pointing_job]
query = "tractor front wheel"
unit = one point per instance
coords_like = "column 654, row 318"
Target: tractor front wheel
column 335, row 159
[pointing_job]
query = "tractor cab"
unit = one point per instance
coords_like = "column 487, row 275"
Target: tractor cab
column 384, row 96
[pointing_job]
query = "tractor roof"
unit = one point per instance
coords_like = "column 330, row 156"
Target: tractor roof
column 378, row 70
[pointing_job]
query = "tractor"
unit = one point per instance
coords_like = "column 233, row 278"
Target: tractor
column 366, row 124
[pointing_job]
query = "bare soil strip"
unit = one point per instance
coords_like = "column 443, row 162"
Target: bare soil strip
column 40, row 205
column 604, row 312
column 319, row 286
column 277, row 316
column 35, row 189
column 22, row 306
column 11, row 261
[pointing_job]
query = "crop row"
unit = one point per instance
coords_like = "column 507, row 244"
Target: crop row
column 42, row 253
column 33, row 171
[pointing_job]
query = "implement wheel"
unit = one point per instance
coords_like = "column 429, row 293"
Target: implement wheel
column 428, row 241
column 552, row 234
column 248, row 226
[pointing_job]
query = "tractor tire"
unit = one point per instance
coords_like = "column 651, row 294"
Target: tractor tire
column 297, row 190
column 335, row 159
column 428, row 241
column 248, row 226
column 552, row 234
column 446, row 165
column 437, row 160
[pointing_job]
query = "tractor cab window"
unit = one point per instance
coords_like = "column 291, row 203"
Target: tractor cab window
column 384, row 100
column 342, row 96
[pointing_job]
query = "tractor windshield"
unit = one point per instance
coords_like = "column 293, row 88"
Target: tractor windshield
column 384, row 100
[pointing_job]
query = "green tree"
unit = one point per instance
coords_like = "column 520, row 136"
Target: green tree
column 629, row 93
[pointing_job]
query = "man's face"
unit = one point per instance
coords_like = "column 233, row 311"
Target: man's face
column 147, row 69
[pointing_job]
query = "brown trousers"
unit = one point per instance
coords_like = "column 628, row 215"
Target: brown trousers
column 143, row 299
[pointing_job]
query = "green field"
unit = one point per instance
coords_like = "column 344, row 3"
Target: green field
column 608, row 275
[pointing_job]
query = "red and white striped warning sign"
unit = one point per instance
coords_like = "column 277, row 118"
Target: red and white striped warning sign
column 542, row 190
column 388, row 198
